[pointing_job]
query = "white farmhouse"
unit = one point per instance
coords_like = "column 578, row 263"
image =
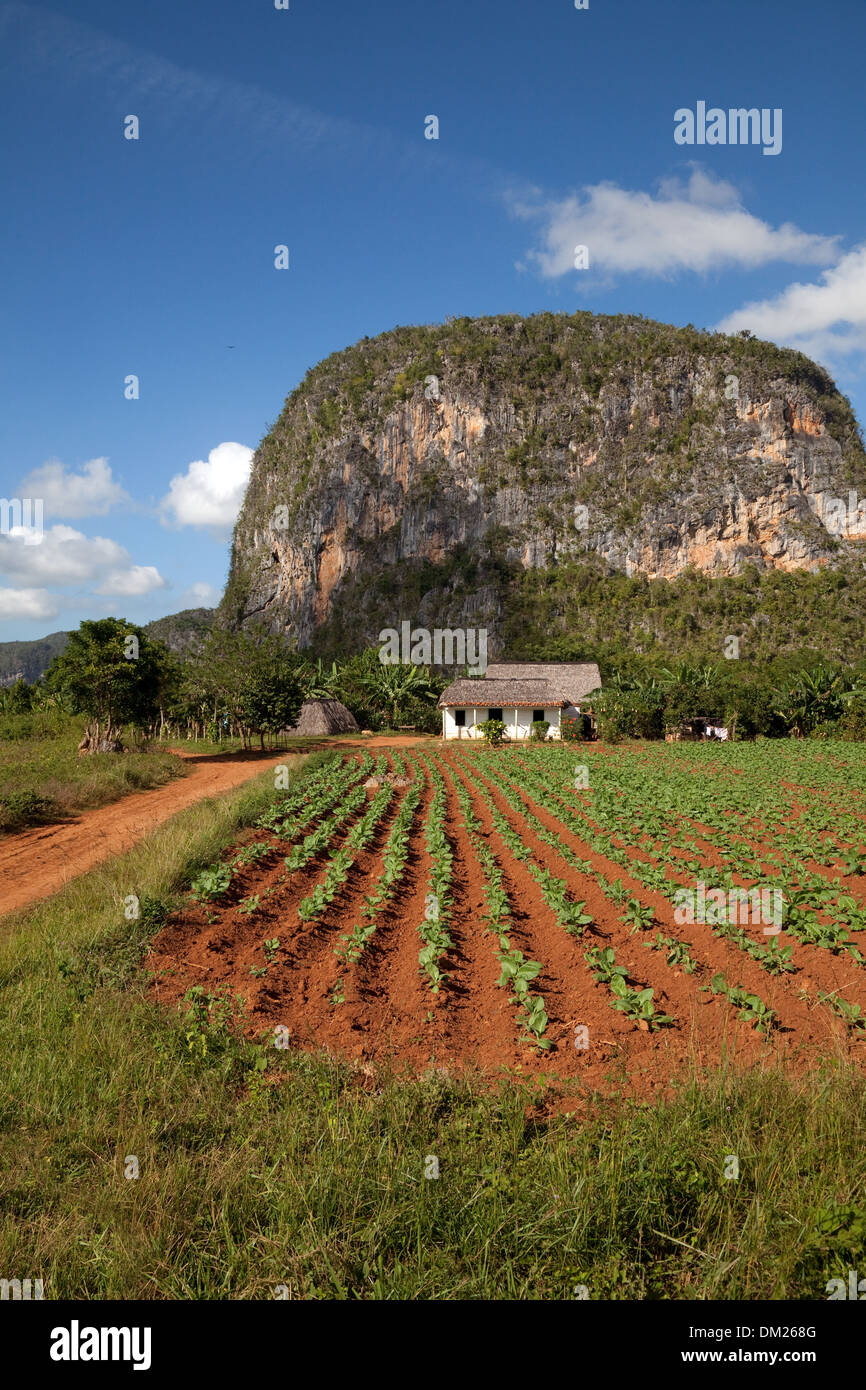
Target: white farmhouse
column 518, row 693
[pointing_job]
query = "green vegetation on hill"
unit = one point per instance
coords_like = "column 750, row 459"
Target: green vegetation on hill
column 30, row 660
column 578, row 612
column 183, row 632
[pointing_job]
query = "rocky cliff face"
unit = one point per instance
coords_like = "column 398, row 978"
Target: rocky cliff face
column 413, row 475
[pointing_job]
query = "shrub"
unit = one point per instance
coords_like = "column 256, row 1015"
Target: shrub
column 852, row 725
column 573, row 730
column 538, row 729
column 493, row 731
column 20, row 809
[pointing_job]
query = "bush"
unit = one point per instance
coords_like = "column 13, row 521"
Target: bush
column 538, row 729
column 629, row 714
column 493, row 731
column 425, row 718
column 20, row 809
column 828, row 728
column 852, row 725
column 574, row 730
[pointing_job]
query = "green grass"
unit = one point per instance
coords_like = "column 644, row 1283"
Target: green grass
column 42, row 778
column 308, row 1175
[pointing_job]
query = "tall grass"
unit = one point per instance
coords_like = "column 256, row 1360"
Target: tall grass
column 260, row 1168
column 42, row 778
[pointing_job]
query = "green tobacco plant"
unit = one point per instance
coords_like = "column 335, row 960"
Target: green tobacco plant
column 211, row 883
column 637, row 915
column 750, row 1007
column 677, row 953
column 637, row 1004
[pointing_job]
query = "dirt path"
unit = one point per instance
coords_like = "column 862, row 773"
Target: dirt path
column 41, row 861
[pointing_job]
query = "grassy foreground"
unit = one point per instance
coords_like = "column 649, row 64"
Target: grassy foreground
column 264, row 1168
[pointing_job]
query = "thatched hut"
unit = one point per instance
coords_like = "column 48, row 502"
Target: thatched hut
column 324, row 717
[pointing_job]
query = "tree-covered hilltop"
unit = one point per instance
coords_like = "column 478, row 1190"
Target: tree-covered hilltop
column 29, row 660
column 182, row 633
column 454, row 471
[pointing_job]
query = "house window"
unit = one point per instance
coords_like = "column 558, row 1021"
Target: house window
column 494, row 714
column 460, row 718
column 537, row 714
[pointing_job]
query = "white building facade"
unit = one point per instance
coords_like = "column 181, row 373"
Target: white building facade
column 520, row 694
column 462, row 721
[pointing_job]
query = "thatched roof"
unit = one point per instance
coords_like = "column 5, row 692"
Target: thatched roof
column 485, row 693
column 534, row 684
column 325, row 717
column 575, row 679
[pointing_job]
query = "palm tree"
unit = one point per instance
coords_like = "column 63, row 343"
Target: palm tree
column 813, row 696
column 395, row 682
column 322, row 682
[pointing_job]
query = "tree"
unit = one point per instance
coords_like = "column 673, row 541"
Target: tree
column 111, row 672
column 18, row 698
column 250, row 678
column 813, row 697
column 322, row 682
column 271, row 694
column 396, row 684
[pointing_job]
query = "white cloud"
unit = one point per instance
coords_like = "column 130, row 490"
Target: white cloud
column 92, row 492
column 27, row 603
column 209, row 494
column 200, row 595
column 826, row 319
column 131, row 583
column 64, row 556
column 698, row 226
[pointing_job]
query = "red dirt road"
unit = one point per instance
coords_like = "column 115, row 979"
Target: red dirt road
column 39, row 862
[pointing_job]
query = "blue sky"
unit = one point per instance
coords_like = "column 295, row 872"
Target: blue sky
column 306, row 127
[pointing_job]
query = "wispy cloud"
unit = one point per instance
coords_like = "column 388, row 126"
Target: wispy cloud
column 166, row 94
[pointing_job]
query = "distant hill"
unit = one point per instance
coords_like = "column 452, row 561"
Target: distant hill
column 181, row 632
column 29, row 660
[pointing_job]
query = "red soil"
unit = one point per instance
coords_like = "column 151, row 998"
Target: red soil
column 388, row 1013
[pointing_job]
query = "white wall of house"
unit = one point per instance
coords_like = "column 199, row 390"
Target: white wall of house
column 517, row 721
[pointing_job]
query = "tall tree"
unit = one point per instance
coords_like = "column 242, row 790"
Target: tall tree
column 111, row 672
